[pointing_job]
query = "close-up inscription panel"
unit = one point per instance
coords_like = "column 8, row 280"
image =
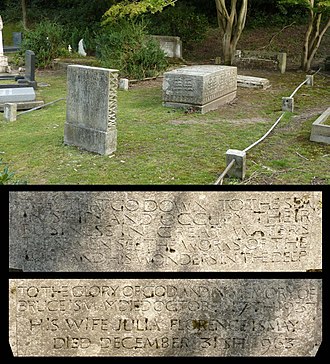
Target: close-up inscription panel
column 165, row 317
column 165, row 231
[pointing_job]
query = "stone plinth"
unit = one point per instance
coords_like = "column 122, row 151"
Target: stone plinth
column 203, row 88
column 165, row 317
column 91, row 109
column 165, row 231
column 3, row 64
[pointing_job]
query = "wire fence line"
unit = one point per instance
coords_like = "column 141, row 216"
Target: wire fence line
column 40, row 106
column 231, row 164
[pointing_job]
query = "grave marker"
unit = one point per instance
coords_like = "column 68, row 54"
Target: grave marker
column 165, row 317
column 165, row 231
column 91, row 108
column 203, row 88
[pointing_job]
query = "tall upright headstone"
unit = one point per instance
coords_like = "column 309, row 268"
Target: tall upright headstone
column 3, row 58
column 91, row 109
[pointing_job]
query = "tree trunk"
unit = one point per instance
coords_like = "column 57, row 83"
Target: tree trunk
column 313, row 37
column 232, row 22
column 24, row 14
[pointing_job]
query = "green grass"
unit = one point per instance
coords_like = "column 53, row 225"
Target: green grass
column 158, row 145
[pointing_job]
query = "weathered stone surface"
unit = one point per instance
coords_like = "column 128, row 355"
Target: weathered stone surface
column 252, row 82
column 199, row 86
column 91, row 109
column 172, row 46
column 24, row 105
column 10, row 112
column 165, row 317
column 165, row 231
column 19, row 94
column 320, row 132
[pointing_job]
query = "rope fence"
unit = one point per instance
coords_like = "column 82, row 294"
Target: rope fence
column 240, row 155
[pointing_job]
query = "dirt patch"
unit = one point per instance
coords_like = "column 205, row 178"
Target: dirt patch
column 148, row 83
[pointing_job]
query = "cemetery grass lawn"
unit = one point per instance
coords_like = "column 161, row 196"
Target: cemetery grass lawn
column 158, row 145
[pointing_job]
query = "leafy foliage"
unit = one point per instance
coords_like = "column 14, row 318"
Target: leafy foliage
column 46, row 41
column 7, row 177
column 134, row 8
column 127, row 46
column 178, row 22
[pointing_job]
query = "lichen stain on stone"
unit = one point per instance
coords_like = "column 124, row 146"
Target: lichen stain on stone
column 200, row 324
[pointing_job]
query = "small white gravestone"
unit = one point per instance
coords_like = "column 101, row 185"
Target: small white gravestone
column 123, row 84
column 81, row 49
column 3, row 59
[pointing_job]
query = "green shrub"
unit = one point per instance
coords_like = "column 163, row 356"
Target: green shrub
column 127, row 47
column 47, row 41
column 182, row 21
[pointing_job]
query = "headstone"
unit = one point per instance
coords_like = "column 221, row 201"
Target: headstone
column 81, row 49
column 165, row 231
column 172, row 46
column 321, row 132
column 29, row 78
column 123, row 84
column 91, row 108
column 3, row 59
column 252, row 82
column 17, row 39
column 10, row 112
column 165, row 317
column 17, row 94
column 203, row 88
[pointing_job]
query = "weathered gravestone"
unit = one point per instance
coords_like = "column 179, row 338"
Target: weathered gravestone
column 165, row 231
column 17, row 39
column 165, row 317
column 91, row 108
column 3, row 58
column 29, row 77
column 203, row 88
column 171, row 46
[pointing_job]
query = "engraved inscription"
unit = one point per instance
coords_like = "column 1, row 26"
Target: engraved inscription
column 166, row 317
column 167, row 231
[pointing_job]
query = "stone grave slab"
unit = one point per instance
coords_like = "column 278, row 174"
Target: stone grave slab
column 165, row 231
column 203, row 87
column 91, row 109
column 27, row 105
column 252, row 82
column 165, row 317
column 17, row 94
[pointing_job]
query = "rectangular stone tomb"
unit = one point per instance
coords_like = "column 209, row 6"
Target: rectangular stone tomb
column 91, row 109
column 252, row 82
column 165, row 317
column 165, row 231
column 20, row 94
column 202, row 88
